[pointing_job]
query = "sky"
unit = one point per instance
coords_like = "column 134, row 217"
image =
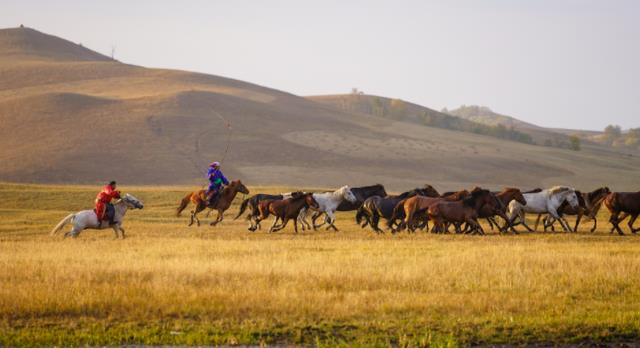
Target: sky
column 555, row 63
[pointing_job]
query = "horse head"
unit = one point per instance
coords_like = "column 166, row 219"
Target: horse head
column 309, row 201
column 515, row 194
column 131, row 202
column 347, row 194
column 238, row 186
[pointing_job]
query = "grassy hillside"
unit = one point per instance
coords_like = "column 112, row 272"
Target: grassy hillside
column 70, row 115
column 170, row 284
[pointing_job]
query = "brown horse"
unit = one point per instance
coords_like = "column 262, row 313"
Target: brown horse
column 463, row 211
column 589, row 205
column 199, row 199
column 623, row 202
column 285, row 210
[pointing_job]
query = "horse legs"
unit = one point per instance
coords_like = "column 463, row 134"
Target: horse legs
column 630, row 223
column 595, row 224
column 278, row 228
column 315, row 217
column 524, row 221
column 614, row 220
column 218, row 219
column 578, row 218
column 374, row 223
column 535, row 227
column 330, row 219
column 295, row 225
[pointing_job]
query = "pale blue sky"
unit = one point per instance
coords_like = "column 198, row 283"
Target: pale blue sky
column 556, row 63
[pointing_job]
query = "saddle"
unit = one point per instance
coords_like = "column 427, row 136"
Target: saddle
column 109, row 213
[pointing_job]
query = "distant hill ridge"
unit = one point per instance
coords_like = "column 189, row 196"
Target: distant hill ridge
column 27, row 42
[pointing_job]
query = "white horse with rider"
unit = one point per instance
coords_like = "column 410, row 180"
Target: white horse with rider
column 544, row 202
column 87, row 219
column 328, row 202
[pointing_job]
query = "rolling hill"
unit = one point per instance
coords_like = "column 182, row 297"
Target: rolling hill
column 71, row 115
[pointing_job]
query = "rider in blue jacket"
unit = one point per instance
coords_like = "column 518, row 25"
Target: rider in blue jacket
column 216, row 180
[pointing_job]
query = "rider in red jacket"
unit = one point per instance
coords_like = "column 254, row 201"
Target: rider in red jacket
column 104, row 197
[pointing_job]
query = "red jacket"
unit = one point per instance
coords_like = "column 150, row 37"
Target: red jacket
column 107, row 194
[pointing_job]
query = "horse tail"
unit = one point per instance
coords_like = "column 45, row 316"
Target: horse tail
column 183, row 204
column 61, row 224
column 243, row 207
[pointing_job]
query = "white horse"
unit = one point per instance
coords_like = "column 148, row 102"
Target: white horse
column 328, row 203
column 546, row 201
column 87, row 219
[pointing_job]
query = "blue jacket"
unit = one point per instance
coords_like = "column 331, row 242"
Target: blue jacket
column 216, row 178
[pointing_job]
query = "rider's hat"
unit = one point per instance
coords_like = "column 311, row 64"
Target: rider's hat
column 215, row 164
column 112, row 183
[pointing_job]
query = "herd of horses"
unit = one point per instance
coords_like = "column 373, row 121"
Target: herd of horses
column 415, row 209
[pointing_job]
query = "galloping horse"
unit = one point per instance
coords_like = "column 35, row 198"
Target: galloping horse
column 461, row 211
column 253, row 202
column 546, row 201
column 328, row 202
column 623, row 202
column 87, row 219
column 199, row 199
column 589, row 205
column 361, row 193
column 285, row 210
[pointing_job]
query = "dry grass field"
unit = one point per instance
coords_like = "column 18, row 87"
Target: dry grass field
column 171, row 284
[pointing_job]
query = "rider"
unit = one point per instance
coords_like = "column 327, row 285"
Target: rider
column 103, row 200
column 216, row 180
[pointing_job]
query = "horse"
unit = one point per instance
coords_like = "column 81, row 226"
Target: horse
column 377, row 206
column 252, row 203
column 87, row 219
column 199, row 199
column 503, row 198
column 285, row 210
column 413, row 209
column 328, row 202
column 361, row 193
column 461, row 211
column 589, row 205
column 545, row 201
column 623, row 202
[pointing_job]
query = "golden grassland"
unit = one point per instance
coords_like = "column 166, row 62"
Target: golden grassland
column 172, row 284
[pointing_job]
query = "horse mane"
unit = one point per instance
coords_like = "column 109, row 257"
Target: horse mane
column 559, row 189
column 535, row 190
column 597, row 192
column 510, row 189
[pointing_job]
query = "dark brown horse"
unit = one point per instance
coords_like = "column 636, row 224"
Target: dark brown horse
column 463, row 211
column 589, row 205
column 285, row 210
column 252, row 202
column 199, row 199
column 623, row 202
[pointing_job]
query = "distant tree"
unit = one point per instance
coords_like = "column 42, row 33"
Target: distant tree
column 613, row 131
column 398, row 109
column 113, row 52
column 574, row 143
